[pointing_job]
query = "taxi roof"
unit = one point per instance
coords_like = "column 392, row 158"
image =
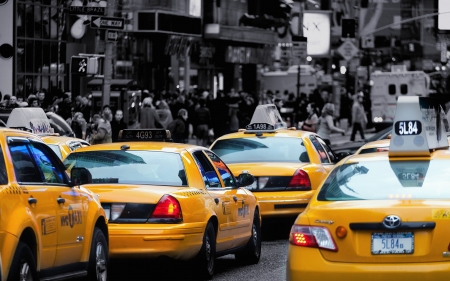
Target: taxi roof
column 420, row 126
column 59, row 139
column 134, row 145
column 277, row 133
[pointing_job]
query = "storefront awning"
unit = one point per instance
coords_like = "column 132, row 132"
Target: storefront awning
column 240, row 34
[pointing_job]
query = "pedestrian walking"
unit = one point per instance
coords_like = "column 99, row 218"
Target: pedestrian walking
column 117, row 124
column 178, row 127
column 202, row 123
column 149, row 118
column 359, row 117
column 104, row 131
column 310, row 124
column 326, row 123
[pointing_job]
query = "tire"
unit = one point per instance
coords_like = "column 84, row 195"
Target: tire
column 98, row 257
column 205, row 261
column 252, row 251
column 23, row 266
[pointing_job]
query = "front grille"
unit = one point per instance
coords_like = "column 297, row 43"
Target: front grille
column 290, row 206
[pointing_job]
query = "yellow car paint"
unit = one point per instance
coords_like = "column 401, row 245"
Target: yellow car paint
column 283, row 203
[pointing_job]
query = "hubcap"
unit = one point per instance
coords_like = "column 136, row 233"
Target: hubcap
column 209, row 253
column 100, row 262
column 255, row 235
column 25, row 274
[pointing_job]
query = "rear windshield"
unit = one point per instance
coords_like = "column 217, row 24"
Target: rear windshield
column 396, row 180
column 131, row 167
column 261, row 149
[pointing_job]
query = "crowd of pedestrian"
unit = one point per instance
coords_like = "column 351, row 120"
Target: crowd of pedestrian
column 195, row 114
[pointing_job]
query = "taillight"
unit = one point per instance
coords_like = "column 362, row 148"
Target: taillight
column 300, row 181
column 168, row 210
column 312, row 236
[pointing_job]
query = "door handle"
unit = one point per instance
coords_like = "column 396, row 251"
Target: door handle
column 235, row 198
column 216, row 200
column 61, row 200
column 32, row 200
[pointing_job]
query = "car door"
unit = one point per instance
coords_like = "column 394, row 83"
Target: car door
column 40, row 198
column 223, row 201
column 240, row 204
column 70, row 210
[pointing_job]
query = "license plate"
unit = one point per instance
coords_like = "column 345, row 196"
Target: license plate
column 387, row 243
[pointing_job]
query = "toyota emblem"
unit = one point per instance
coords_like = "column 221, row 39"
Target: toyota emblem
column 392, row 221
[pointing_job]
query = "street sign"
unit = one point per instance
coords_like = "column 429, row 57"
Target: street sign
column 107, row 22
column 299, row 46
column 112, row 35
column 83, row 10
column 348, row 50
column 79, row 65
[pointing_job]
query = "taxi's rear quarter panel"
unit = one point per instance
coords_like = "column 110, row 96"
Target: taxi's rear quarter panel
column 429, row 244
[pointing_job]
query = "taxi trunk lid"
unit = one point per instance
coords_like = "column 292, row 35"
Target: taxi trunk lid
column 423, row 229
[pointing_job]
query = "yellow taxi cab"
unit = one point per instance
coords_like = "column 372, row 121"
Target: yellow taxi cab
column 51, row 228
column 36, row 121
column 288, row 164
column 63, row 146
column 174, row 200
column 385, row 215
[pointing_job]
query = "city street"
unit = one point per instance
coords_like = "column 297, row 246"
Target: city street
column 271, row 266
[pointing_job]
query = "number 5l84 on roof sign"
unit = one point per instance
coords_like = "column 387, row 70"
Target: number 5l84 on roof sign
column 107, row 22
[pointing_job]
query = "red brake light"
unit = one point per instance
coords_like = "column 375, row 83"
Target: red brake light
column 302, row 236
column 300, row 181
column 312, row 236
column 168, row 210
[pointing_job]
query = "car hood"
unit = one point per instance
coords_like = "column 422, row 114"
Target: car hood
column 351, row 146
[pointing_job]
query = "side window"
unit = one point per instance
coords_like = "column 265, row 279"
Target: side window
column 3, row 174
column 328, row 150
column 320, row 150
column 48, row 163
column 206, row 169
column 24, row 166
column 225, row 173
column 391, row 89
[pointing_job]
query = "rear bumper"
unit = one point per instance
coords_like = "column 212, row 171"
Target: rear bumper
column 177, row 241
column 308, row 264
column 283, row 204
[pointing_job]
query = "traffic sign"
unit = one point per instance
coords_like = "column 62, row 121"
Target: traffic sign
column 299, row 46
column 348, row 50
column 79, row 65
column 112, row 35
column 107, row 22
column 368, row 42
column 83, row 10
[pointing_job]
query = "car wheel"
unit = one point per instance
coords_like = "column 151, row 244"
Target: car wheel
column 206, row 258
column 23, row 266
column 98, row 257
column 252, row 251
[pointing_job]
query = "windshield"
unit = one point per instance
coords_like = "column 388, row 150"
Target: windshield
column 377, row 180
column 261, row 149
column 131, row 167
column 56, row 149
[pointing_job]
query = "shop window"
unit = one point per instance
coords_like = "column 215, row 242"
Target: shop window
column 404, row 89
column 391, row 89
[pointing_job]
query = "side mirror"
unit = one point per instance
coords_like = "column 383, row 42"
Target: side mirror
column 245, row 179
column 79, row 176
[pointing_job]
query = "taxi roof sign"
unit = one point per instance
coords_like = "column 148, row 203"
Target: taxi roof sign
column 420, row 125
column 32, row 119
column 266, row 118
column 145, row 135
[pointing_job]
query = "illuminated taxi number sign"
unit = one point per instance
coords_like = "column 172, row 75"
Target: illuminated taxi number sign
column 259, row 126
column 144, row 134
column 405, row 128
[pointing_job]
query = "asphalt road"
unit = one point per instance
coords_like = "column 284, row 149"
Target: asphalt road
column 271, row 267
